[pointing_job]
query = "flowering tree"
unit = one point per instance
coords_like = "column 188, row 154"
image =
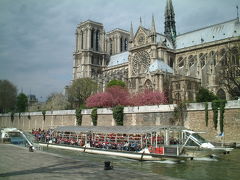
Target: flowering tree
column 117, row 95
column 120, row 95
column 148, row 98
column 104, row 99
column 113, row 96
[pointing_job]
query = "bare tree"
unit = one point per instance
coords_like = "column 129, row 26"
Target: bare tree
column 56, row 101
column 229, row 74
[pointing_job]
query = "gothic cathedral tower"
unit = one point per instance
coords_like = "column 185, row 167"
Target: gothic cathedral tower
column 89, row 57
column 170, row 28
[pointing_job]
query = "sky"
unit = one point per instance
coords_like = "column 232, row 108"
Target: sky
column 37, row 37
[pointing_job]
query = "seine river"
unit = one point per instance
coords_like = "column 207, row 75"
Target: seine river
column 227, row 168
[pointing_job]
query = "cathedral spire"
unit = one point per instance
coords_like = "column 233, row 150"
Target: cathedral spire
column 170, row 28
column 153, row 29
column 131, row 33
column 140, row 21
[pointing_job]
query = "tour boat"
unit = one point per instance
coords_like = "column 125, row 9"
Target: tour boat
column 135, row 142
column 15, row 136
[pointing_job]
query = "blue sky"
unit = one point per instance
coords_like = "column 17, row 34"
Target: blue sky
column 37, row 37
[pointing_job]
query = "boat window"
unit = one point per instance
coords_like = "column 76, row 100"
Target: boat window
column 199, row 138
column 14, row 134
column 191, row 143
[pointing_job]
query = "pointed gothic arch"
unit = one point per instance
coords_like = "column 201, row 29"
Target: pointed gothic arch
column 221, row 94
column 148, row 85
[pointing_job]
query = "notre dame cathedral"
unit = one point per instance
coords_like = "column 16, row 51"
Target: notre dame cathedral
column 176, row 64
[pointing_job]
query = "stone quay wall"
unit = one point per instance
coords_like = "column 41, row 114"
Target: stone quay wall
column 142, row 116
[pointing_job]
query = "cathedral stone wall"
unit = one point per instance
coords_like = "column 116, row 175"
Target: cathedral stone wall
column 142, row 116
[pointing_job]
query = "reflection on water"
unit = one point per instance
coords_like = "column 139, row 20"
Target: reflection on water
column 227, row 168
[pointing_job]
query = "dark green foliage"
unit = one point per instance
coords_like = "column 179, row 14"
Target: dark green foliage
column 222, row 110
column 206, row 113
column 204, row 95
column 94, row 116
column 22, row 102
column 44, row 114
column 8, row 93
column 218, row 104
column 215, row 105
column 79, row 116
column 12, row 116
column 118, row 115
column 115, row 82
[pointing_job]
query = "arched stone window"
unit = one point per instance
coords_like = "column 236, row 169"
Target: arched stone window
column 125, row 44
column 235, row 56
column 202, row 58
column 97, row 40
column 221, row 94
column 81, row 39
column 180, row 62
column 190, row 61
column 189, row 85
column 148, row 85
column 171, row 62
column 223, row 57
column 111, row 46
column 92, row 37
column 178, row 86
column 212, row 56
column 121, row 44
column 178, row 97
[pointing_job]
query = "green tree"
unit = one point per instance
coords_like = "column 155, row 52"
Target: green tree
column 115, row 82
column 204, row 95
column 22, row 103
column 80, row 90
column 8, row 93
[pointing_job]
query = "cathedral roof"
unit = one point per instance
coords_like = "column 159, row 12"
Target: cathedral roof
column 160, row 65
column 209, row 34
column 118, row 59
column 164, row 40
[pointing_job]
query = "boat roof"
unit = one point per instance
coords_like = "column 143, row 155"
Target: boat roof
column 116, row 129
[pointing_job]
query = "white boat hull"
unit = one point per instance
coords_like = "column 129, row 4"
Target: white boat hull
column 131, row 155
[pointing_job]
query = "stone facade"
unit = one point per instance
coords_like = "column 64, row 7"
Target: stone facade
column 142, row 116
column 151, row 60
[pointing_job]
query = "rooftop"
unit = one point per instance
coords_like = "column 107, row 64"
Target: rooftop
column 118, row 59
column 115, row 129
column 160, row 65
column 209, row 34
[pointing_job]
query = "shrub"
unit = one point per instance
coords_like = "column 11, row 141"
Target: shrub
column 44, row 114
column 94, row 116
column 79, row 116
column 12, row 116
column 118, row 115
column 218, row 104
column 204, row 95
column 115, row 82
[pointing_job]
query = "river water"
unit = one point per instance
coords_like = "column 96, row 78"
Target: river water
column 226, row 168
